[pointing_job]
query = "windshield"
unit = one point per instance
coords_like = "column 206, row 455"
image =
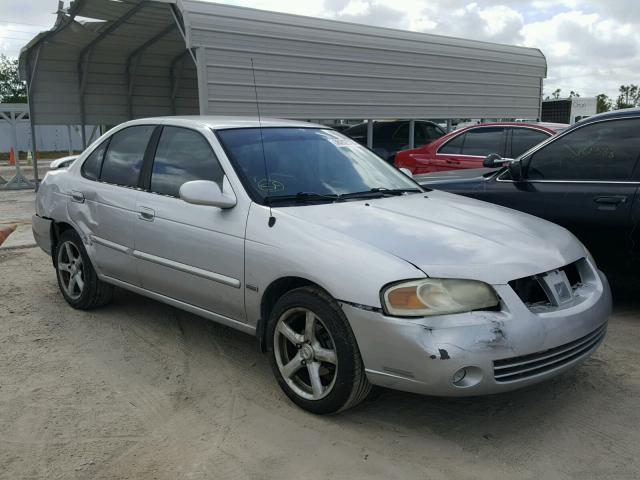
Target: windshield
column 307, row 160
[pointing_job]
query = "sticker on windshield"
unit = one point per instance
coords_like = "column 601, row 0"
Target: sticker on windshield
column 270, row 185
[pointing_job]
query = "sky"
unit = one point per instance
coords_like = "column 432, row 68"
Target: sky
column 591, row 46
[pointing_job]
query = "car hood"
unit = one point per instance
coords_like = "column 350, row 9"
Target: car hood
column 455, row 176
column 448, row 235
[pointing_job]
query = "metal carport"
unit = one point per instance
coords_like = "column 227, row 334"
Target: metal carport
column 108, row 61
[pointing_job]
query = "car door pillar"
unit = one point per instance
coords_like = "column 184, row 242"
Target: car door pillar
column 412, row 133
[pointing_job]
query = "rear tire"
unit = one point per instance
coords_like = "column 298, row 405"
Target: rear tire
column 313, row 352
column 77, row 279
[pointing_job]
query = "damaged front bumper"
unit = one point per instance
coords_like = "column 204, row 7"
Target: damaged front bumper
column 498, row 350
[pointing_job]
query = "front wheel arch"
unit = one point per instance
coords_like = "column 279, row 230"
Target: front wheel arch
column 272, row 293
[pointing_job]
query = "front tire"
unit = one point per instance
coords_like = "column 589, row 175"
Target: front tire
column 313, row 352
column 77, row 279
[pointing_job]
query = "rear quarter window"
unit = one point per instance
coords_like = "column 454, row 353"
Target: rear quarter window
column 123, row 160
column 93, row 163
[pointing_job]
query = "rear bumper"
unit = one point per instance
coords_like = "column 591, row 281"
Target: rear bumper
column 42, row 232
column 422, row 355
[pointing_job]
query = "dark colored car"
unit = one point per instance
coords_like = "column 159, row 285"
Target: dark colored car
column 391, row 136
column 467, row 147
column 585, row 179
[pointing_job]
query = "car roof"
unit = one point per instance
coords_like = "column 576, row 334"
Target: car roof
column 623, row 113
column 548, row 127
column 383, row 123
column 218, row 122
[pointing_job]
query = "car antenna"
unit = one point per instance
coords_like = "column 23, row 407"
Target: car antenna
column 272, row 219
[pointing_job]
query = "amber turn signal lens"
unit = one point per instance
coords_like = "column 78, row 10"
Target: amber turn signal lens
column 405, row 298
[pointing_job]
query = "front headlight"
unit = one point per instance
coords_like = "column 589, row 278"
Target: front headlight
column 437, row 296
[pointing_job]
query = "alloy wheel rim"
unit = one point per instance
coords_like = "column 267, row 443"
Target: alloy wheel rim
column 305, row 353
column 70, row 270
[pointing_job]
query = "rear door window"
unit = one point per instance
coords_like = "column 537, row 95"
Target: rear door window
column 93, row 164
column 183, row 155
column 602, row 151
column 522, row 139
column 483, row 141
column 125, row 154
column 453, row 146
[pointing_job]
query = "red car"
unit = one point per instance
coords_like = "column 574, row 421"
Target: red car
column 467, row 147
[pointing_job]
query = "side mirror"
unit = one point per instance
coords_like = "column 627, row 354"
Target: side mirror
column 516, row 171
column 205, row 192
column 493, row 160
column 406, row 171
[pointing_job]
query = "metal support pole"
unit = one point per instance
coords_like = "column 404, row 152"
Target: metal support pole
column 133, row 61
column 201, row 68
column 19, row 181
column 175, row 79
column 93, row 134
column 177, row 17
column 13, row 121
column 33, row 70
column 84, row 59
column 449, row 125
column 82, row 79
column 70, row 140
column 412, row 133
column 370, row 133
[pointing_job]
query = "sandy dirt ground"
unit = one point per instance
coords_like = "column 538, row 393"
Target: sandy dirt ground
column 16, row 208
column 141, row 390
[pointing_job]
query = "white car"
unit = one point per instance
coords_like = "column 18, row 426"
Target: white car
column 348, row 272
column 63, row 162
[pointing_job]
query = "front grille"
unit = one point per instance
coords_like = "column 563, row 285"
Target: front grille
column 531, row 291
column 526, row 366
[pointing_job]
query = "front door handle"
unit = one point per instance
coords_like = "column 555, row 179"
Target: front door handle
column 611, row 199
column 146, row 214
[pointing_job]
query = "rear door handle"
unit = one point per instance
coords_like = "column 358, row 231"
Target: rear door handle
column 146, row 214
column 77, row 196
column 611, row 199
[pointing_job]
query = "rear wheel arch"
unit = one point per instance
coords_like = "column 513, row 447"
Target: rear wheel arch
column 78, row 281
column 57, row 229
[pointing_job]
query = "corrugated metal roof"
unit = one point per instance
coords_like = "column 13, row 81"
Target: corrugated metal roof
column 304, row 67
column 111, row 89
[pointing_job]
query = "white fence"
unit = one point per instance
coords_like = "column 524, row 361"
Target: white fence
column 50, row 138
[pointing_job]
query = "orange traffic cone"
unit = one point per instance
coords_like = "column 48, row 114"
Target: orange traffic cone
column 6, row 231
column 12, row 157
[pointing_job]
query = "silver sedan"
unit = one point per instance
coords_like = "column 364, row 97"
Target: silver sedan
column 347, row 272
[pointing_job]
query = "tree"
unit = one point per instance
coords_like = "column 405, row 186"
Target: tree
column 555, row 95
column 12, row 89
column 604, row 103
column 573, row 94
column 629, row 96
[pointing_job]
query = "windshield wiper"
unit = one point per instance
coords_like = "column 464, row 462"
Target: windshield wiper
column 313, row 196
column 378, row 192
column 300, row 197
